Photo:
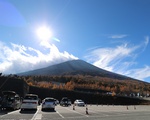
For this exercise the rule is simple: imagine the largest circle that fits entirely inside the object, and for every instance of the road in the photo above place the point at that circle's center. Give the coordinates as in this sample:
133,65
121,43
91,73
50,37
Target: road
91,112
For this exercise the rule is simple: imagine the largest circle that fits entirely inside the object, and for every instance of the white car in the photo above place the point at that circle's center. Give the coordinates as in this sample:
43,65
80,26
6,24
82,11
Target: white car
48,103
30,101
79,103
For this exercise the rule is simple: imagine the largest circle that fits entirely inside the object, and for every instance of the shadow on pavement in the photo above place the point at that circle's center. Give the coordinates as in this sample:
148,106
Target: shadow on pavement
5,111
48,110
26,111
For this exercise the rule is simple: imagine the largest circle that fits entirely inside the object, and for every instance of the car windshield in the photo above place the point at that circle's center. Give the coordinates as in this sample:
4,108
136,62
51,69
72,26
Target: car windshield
49,100
65,99
8,98
31,98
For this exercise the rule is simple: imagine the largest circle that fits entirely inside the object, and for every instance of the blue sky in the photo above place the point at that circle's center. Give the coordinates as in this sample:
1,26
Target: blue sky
110,34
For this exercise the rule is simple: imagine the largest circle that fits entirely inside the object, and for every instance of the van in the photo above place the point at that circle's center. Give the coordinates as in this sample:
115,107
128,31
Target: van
65,101
10,100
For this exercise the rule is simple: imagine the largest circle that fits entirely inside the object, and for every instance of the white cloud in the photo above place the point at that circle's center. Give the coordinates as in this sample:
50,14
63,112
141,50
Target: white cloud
141,73
146,41
119,36
18,58
108,58
120,59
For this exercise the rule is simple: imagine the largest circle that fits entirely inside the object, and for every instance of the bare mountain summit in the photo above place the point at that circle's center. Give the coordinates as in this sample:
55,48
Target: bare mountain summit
74,67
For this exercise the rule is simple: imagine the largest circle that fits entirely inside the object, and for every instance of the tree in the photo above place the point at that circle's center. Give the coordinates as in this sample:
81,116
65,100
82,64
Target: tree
69,85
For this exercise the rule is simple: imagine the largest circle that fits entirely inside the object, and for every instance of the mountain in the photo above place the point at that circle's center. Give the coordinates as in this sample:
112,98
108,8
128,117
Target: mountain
74,67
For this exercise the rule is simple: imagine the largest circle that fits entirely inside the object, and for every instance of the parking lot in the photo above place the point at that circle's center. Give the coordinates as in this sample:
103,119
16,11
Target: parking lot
91,112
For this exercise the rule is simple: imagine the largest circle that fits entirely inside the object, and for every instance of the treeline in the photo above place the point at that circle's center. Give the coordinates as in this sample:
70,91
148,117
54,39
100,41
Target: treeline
86,82
88,98
13,83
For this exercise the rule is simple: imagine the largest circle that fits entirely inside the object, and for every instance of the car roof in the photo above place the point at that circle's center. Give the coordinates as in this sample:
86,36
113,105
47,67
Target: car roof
49,98
65,98
8,92
78,100
31,95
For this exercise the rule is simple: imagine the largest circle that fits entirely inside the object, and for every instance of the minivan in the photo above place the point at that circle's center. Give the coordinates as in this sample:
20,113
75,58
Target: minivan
10,100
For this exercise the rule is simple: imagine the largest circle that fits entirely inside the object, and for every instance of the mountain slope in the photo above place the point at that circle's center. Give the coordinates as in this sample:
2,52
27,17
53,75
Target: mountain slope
74,67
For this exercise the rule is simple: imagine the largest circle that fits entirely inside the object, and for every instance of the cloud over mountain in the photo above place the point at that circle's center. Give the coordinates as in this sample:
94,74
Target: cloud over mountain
18,58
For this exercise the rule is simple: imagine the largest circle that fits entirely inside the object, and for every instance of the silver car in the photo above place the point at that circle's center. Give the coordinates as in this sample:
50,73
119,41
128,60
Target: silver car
79,103
48,103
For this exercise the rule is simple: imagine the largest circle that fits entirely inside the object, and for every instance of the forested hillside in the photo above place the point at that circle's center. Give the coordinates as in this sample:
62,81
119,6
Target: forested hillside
90,84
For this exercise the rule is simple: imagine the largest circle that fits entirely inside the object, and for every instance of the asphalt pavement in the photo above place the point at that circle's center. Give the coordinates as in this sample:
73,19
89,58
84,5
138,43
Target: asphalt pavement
89,112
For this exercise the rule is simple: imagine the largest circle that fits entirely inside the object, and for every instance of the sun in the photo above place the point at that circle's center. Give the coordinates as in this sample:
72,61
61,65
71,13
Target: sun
44,33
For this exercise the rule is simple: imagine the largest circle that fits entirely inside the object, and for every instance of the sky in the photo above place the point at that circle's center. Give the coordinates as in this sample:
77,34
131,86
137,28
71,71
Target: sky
110,34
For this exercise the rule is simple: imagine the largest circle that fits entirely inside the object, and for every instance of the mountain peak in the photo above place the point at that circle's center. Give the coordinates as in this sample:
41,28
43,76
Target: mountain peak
73,67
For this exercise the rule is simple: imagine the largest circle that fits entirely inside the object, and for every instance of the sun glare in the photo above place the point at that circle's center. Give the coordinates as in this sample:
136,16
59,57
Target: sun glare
44,33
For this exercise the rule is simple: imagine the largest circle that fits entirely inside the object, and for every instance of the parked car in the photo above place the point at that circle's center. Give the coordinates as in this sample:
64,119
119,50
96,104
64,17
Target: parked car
65,101
56,101
30,101
10,100
48,103
79,103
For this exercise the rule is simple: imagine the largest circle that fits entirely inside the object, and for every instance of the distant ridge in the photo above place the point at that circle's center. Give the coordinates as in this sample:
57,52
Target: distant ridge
74,67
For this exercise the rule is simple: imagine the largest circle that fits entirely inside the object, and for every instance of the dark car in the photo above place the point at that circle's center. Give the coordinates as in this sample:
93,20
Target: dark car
10,100
65,101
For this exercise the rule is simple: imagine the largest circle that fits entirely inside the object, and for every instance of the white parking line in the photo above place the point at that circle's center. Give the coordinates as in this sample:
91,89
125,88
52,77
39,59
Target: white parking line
60,114
37,116
16,111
